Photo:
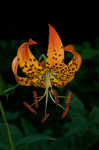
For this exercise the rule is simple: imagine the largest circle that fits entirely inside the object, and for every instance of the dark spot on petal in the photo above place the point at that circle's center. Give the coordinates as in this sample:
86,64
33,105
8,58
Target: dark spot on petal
30,59
52,78
34,59
61,64
31,65
25,66
29,69
26,81
39,69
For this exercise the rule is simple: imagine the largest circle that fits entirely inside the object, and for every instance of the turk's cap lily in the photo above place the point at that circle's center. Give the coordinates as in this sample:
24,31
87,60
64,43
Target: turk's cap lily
45,74
54,72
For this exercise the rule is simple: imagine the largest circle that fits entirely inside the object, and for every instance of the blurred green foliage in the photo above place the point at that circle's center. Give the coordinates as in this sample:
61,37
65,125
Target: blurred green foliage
78,131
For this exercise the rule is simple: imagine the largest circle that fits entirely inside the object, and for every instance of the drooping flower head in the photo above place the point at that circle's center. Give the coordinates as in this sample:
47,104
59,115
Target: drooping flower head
45,74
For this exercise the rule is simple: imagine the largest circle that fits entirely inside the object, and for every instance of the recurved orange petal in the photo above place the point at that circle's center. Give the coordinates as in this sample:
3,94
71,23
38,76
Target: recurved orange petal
22,80
28,63
75,63
55,51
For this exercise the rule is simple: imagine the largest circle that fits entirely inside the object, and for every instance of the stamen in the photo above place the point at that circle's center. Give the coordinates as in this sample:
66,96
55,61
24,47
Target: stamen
35,99
65,112
45,118
68,98
41,98
46,101
56,97
30,108
67,105
54,101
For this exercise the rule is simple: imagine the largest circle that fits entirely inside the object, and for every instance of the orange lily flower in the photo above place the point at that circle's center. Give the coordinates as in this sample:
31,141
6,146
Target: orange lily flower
53,72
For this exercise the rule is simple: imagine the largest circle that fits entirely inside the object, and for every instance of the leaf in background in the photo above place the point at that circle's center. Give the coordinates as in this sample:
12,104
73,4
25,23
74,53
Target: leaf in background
3,85
15,133
12,115
27,127
77,107
92,134
77,113
86,51
35,138
93,122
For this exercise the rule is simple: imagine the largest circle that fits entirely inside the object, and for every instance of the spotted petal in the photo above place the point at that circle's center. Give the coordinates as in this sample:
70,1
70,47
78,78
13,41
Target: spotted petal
63,73
28,63
22,80
55,52
63,78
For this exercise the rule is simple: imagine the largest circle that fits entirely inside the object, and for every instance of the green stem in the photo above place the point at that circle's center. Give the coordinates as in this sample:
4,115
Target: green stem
7,128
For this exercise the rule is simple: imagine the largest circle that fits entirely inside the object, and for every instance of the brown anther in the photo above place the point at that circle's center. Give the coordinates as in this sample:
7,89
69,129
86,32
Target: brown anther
68,98
67,105
30,108
45,118
65,112
56,97
35,99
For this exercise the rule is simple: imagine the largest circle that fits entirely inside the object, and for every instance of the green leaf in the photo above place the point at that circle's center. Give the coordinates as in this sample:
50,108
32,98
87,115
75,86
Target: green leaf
12,115
76,106
31,139
78,126
15,133
3,86
3,146
87,52
93,122
28,127
77,112
94,115
93,127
